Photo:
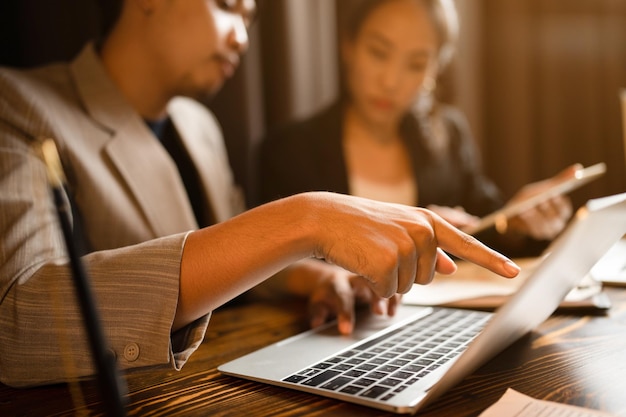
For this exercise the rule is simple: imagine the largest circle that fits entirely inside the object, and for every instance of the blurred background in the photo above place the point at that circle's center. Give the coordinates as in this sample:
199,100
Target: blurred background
538,79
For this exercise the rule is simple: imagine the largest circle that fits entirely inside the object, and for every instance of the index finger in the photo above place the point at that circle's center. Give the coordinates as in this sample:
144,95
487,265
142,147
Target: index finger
467,247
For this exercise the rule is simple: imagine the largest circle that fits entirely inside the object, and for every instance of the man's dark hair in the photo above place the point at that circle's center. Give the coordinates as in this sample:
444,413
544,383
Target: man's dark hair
110,11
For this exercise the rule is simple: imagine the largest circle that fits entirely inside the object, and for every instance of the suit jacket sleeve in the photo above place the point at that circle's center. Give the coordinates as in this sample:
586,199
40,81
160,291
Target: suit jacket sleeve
42,338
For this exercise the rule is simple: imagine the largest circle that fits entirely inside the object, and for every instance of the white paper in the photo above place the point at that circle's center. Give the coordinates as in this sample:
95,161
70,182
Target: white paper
515,404
472,286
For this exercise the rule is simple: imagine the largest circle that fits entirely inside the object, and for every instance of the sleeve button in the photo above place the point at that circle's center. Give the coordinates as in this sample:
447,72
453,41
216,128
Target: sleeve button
131,352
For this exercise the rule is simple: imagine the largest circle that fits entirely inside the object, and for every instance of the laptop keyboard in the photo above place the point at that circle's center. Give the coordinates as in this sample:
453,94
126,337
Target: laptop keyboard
384,366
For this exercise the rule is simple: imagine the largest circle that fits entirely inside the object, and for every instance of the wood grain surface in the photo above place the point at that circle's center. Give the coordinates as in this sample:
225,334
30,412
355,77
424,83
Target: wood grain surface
573,359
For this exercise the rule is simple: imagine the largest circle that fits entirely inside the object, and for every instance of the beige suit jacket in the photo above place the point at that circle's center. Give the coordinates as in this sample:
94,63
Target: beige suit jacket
134,211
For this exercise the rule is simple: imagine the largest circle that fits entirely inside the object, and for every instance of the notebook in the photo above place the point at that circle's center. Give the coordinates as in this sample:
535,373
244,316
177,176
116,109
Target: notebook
403,363
611,269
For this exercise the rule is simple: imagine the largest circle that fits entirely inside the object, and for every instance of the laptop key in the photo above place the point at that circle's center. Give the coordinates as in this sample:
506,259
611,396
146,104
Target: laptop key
391,382
374,392
351,389
365,382
321,378
355,373
366,366
388,368
403,375
342,367
337,383
295,378
413,368
322,365
377,375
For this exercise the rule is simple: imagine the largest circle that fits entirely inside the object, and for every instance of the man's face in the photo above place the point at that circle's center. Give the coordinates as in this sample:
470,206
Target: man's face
199,43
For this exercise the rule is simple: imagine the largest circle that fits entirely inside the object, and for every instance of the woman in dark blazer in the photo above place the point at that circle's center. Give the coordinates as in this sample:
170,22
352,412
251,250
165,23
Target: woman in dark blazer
388,138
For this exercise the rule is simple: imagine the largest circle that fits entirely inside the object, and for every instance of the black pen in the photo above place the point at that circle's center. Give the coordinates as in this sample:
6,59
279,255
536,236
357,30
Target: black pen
109,381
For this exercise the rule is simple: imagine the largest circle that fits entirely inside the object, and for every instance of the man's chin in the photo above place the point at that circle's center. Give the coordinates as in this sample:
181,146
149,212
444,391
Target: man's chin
206,94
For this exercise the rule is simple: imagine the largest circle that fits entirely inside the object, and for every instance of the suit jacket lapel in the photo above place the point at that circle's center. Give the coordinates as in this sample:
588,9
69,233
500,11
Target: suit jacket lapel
143,164
202,139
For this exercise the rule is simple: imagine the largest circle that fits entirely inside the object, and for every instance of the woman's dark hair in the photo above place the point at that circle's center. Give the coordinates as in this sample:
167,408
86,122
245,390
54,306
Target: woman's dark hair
443,14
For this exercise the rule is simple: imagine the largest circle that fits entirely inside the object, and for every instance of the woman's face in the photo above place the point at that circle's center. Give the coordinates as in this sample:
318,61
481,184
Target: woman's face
388,60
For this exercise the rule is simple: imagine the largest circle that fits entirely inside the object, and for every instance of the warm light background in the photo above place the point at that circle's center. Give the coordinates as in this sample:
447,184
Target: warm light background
539,80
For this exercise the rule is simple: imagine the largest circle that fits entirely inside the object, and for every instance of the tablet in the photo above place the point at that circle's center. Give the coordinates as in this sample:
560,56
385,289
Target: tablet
582,177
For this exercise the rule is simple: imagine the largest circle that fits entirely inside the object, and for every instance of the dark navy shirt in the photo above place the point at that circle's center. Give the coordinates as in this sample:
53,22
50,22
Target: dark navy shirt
167,134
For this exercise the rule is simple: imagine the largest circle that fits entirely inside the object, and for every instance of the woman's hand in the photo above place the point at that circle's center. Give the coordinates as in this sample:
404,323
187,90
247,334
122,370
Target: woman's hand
547,219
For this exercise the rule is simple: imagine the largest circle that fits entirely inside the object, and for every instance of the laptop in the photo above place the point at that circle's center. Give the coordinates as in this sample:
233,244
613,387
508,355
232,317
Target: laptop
401,364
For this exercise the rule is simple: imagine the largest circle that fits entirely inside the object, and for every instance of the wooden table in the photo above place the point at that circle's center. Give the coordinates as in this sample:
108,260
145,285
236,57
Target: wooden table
573,359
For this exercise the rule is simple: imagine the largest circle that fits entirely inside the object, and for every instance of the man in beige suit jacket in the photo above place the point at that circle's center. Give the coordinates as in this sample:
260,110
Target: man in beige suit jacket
156,275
